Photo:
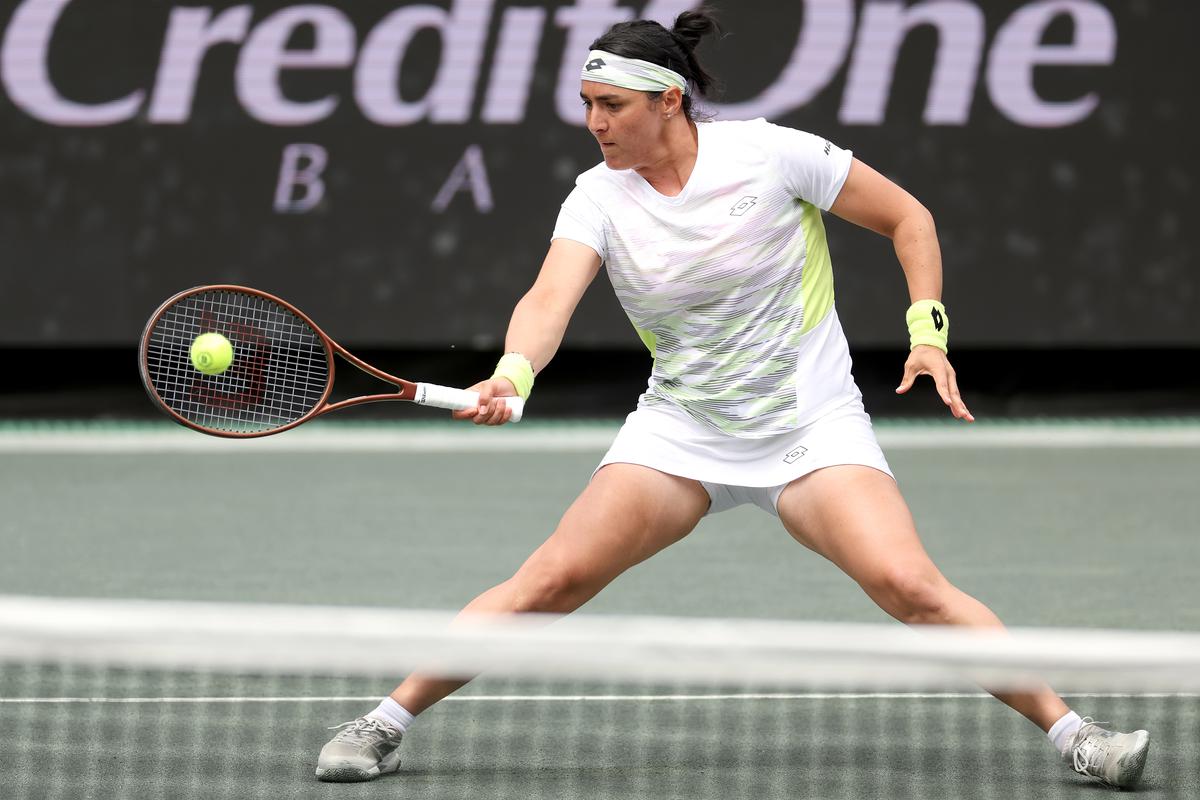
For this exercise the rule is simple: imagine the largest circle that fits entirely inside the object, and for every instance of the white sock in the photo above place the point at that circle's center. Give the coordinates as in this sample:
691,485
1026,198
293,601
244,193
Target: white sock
393,714
1060,733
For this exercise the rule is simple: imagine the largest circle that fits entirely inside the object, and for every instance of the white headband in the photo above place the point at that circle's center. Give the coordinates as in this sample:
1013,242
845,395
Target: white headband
630,73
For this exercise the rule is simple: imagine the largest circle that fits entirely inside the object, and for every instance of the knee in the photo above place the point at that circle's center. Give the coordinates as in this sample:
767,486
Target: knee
547,588
914,594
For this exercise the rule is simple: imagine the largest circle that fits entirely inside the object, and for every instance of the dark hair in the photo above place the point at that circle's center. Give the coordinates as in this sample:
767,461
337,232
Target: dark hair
674,49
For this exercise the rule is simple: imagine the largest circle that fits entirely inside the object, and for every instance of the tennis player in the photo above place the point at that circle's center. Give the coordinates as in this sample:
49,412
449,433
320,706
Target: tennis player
712,237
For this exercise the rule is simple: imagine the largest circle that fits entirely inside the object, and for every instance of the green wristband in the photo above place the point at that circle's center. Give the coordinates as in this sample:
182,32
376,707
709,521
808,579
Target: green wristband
928,324
517,369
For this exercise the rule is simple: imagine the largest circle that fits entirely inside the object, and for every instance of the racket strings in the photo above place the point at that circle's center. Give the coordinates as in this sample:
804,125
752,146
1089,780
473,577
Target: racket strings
280,370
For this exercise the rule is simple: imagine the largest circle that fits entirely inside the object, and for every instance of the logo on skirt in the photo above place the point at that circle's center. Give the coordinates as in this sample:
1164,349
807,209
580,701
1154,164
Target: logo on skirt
795,455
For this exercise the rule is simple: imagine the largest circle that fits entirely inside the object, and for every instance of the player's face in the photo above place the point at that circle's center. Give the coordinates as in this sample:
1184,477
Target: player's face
625,123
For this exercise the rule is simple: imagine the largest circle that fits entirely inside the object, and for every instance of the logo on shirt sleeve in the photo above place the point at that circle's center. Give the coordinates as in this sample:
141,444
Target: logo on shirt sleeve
742,206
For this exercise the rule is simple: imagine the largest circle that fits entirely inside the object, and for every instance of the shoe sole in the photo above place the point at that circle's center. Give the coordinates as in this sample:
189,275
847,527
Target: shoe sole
1129,768
345,773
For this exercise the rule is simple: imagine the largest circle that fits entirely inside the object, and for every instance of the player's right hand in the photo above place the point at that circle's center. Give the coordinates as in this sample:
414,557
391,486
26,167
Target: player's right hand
492,409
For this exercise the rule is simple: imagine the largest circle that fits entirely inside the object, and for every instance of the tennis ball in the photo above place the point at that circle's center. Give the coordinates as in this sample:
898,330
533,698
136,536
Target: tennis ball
212,353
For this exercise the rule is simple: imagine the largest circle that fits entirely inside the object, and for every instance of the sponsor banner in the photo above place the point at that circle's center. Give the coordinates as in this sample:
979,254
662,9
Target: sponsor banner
395,168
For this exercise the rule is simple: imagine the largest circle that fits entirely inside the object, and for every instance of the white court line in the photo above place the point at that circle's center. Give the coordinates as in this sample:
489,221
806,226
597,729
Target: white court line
551,439
584,698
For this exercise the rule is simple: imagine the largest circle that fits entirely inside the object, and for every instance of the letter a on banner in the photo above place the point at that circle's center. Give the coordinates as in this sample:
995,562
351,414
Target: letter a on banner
470,174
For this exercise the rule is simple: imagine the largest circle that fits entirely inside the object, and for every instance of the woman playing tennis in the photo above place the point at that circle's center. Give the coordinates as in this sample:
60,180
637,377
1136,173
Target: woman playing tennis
711,235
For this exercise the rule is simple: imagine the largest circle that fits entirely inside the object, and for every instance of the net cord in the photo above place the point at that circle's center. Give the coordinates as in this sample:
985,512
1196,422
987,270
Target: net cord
371,641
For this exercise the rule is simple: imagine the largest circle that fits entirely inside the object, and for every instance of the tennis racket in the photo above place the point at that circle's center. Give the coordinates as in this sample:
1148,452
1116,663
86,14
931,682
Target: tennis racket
282,370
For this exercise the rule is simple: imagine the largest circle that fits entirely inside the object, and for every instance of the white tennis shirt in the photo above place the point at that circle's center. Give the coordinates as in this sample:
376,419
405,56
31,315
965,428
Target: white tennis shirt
729,283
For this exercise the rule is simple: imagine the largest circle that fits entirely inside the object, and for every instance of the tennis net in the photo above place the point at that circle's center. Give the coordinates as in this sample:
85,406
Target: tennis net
112,699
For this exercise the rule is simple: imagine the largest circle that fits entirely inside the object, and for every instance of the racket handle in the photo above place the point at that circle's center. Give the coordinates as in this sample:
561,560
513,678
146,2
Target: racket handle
430,394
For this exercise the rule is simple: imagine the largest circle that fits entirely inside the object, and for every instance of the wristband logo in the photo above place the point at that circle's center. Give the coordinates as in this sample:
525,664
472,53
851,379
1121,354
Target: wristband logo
938,321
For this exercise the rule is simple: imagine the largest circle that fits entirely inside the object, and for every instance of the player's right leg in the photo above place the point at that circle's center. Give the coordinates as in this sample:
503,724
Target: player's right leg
626,514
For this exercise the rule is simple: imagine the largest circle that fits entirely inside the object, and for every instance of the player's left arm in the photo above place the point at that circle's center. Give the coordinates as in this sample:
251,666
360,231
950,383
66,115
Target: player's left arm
871,201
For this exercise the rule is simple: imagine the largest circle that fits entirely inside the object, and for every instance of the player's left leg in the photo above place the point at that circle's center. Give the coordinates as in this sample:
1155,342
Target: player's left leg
855,517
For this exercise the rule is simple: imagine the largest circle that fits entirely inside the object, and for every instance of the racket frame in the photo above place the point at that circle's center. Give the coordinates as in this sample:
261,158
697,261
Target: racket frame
408,390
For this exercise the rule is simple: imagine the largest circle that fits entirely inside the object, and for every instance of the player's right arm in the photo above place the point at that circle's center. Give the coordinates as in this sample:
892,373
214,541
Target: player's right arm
539,321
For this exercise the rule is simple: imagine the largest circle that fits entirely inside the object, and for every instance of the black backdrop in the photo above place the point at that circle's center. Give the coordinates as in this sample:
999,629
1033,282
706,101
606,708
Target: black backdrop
1052,139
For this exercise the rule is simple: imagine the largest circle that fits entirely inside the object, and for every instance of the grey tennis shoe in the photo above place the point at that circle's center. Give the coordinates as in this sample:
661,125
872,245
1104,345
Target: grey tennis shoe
363,749
1114,758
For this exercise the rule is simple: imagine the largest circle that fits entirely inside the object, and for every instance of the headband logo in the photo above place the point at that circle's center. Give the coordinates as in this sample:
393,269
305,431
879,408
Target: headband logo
594,64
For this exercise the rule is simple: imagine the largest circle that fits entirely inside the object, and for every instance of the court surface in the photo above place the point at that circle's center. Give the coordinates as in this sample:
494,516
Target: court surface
1071,525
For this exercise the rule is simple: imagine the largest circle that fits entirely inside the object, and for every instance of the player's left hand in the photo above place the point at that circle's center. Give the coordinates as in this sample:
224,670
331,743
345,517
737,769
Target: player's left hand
926,360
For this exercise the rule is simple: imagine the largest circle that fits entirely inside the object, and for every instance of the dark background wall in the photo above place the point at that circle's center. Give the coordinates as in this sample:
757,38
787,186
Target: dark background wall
395,168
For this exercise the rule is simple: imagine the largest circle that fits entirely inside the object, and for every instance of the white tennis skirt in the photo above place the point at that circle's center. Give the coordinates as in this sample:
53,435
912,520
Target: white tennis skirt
735,470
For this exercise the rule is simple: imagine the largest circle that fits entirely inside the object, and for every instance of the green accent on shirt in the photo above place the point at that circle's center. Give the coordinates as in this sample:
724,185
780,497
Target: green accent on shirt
817,290
648,339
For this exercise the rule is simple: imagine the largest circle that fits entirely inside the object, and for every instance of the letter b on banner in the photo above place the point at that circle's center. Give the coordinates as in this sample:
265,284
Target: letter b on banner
300,188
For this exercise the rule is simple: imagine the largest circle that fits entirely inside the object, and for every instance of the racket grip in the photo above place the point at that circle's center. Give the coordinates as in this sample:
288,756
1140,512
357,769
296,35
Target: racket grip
430,394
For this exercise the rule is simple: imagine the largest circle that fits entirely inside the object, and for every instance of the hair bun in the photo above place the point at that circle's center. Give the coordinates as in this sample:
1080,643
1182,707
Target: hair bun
692,26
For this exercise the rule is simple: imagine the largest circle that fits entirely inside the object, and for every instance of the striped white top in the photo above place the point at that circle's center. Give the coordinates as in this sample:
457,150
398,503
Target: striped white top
729,283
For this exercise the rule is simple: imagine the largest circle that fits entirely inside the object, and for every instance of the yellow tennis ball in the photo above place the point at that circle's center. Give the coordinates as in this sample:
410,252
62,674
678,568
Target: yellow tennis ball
212,353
